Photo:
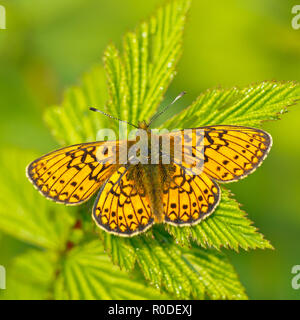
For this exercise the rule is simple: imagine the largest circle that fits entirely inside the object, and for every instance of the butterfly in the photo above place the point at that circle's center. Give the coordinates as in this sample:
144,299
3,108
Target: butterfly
132,197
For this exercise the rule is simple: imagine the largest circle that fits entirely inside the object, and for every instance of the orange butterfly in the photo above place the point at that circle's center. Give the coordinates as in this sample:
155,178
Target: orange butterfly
134,196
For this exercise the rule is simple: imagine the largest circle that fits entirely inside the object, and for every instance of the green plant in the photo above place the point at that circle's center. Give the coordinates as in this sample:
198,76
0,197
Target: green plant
70,258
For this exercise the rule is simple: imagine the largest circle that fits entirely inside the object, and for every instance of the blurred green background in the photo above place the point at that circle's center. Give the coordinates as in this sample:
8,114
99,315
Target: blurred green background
49,44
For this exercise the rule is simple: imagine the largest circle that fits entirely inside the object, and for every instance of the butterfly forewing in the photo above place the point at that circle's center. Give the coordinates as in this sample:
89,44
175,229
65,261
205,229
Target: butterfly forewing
227,153
233,152
73,174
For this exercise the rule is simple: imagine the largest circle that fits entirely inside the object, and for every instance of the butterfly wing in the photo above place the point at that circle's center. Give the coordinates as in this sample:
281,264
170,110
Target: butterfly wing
122,207
228,153
233,152
73,174
188,199
187,149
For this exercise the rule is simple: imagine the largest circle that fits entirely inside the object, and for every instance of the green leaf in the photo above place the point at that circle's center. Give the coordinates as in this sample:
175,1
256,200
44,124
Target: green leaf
72,122
121,252
227,227
185,272
24,213
249,106
139,77
219,277
87,273
84,272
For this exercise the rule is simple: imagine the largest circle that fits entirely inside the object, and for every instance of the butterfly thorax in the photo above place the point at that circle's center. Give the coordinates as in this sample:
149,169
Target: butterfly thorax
151,151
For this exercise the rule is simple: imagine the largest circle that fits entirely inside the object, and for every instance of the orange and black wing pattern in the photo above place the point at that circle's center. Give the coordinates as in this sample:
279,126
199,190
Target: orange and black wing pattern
123,208
226,153
73,174
233,152
189,194
188,199
186,149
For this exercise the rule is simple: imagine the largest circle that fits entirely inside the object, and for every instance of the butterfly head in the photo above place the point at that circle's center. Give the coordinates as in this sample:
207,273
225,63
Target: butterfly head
143,125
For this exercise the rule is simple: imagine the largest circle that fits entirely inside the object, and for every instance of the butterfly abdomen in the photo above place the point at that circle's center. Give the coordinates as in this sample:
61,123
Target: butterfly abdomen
151,178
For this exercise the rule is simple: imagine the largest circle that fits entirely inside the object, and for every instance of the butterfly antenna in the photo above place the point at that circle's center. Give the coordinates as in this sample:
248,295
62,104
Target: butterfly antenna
108,115
165,109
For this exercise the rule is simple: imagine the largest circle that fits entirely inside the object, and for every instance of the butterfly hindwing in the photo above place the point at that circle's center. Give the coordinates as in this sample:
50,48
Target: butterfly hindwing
73,174
122,207
188,199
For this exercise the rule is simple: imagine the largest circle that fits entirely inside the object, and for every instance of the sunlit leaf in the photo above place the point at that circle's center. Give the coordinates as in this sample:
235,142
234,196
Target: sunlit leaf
227,227
140,75
184,271
249,106
87,273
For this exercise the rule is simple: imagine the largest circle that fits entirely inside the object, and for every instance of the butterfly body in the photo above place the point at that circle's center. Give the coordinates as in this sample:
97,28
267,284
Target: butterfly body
133,196
153,182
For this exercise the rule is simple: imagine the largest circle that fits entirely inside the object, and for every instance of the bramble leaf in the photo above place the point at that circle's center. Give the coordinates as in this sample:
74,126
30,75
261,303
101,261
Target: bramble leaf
249,106
139,77
227,227
87,273
84,272
185,272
